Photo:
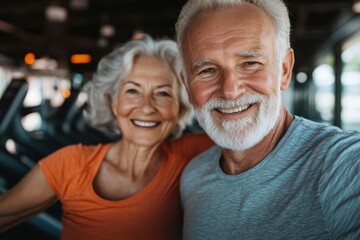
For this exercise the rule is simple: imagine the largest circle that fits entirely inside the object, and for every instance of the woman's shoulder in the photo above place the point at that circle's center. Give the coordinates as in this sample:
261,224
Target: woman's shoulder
74,155
193,143
192,138
83,148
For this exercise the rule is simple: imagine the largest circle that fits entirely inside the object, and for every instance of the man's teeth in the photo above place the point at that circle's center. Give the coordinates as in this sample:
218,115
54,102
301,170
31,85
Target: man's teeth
144,124
234,110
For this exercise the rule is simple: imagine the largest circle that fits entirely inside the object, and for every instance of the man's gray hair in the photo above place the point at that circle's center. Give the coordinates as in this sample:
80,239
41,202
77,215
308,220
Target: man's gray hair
115,66
275,9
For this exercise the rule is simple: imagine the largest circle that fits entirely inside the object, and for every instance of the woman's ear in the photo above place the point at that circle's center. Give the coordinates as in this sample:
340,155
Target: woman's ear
114,105
181,110
287,68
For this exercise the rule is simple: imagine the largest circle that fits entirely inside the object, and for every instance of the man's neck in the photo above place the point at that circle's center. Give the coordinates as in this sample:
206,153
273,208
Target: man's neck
234,162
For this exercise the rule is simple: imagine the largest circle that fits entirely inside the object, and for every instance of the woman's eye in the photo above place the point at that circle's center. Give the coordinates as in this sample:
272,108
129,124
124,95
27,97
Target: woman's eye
163,94
131,91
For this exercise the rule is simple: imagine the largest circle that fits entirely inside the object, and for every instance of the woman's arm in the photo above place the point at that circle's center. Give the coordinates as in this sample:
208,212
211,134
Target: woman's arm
30,196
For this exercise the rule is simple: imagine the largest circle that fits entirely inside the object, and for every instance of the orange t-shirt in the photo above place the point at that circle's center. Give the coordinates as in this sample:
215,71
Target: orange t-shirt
153,213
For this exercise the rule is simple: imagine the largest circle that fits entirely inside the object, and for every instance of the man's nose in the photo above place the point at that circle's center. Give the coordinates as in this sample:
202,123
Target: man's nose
231,85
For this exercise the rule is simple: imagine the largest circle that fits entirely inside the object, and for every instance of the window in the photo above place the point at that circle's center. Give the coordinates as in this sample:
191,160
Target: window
350,80
324,87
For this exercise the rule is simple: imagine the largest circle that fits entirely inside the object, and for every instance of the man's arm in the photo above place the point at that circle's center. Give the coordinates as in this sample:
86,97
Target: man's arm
340,191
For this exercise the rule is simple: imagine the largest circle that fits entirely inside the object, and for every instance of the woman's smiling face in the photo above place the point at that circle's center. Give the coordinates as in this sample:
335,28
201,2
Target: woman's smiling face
148,104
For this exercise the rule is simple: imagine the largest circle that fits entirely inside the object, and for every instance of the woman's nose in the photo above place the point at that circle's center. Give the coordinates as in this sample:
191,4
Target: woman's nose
148,105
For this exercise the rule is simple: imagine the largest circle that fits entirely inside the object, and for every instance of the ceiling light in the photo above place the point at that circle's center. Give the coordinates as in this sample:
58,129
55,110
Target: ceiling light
79,4
301,77
29,58
45,63
356,6
56,13
80,58
102,42
107,30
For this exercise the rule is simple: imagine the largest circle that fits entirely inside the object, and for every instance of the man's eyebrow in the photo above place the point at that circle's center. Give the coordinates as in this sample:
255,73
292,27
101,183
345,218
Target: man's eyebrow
250,53
243,54
200,63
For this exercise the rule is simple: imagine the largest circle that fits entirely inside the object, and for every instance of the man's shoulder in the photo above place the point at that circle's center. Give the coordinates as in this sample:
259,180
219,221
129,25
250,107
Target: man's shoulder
200,168
208,155
204,160
308,140
320,132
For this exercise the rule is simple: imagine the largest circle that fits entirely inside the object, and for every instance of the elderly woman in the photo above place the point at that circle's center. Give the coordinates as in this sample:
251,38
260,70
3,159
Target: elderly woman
127,189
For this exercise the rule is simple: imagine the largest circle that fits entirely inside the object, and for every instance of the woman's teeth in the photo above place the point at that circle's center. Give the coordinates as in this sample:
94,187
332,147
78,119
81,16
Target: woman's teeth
144,124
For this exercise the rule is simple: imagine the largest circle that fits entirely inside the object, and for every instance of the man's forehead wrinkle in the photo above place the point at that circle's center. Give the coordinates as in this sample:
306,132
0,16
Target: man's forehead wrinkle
216,37
220,39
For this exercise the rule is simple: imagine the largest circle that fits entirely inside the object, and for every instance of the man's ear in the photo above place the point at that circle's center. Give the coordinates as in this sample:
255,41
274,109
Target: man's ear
287,68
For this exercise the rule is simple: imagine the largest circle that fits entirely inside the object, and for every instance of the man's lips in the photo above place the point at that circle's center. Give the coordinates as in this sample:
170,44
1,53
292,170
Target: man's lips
234,109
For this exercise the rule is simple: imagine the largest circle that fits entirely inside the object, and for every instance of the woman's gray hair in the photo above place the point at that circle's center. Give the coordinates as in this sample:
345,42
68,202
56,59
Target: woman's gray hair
275,9
115,66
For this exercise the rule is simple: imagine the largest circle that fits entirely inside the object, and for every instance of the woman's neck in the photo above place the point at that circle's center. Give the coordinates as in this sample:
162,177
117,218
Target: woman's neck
134,160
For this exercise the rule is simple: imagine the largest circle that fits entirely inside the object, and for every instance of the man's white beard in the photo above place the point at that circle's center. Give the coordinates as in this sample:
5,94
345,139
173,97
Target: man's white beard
243,133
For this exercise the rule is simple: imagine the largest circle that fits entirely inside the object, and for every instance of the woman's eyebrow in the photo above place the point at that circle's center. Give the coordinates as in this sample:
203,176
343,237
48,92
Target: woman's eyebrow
139,85
131,82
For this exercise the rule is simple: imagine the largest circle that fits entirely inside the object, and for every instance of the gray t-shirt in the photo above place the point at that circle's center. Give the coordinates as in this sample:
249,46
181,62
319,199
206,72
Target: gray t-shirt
308,187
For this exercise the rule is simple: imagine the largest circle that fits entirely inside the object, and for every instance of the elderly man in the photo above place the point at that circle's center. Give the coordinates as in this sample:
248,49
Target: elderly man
272,175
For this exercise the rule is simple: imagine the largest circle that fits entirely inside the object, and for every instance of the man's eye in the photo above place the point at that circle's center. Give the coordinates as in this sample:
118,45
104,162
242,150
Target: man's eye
253,63
208,71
